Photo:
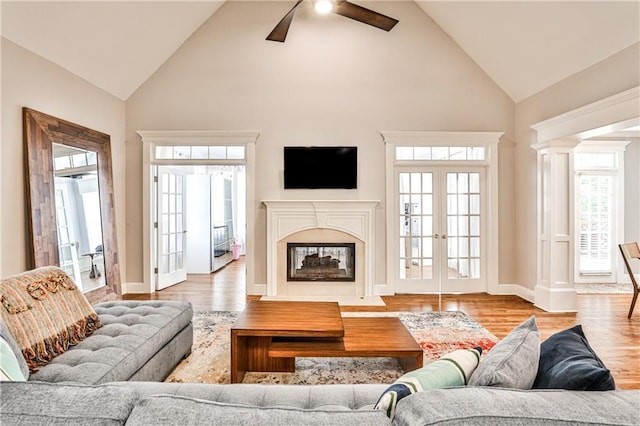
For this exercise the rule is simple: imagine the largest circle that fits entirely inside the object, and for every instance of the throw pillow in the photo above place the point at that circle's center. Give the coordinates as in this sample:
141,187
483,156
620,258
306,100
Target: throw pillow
45,312
6,336
513,362
9,367
567,361
450,370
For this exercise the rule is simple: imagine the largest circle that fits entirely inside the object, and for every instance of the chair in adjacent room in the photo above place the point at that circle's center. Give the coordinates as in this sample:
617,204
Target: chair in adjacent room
631,251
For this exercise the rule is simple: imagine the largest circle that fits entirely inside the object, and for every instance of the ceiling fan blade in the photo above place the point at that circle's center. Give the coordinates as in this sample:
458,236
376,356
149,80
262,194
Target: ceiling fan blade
279,32
365,15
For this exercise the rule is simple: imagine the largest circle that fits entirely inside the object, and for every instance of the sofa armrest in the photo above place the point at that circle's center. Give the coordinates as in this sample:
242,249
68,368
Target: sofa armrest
61,404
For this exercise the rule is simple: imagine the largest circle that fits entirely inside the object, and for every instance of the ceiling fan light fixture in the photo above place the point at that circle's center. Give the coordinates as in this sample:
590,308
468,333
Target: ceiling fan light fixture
323,6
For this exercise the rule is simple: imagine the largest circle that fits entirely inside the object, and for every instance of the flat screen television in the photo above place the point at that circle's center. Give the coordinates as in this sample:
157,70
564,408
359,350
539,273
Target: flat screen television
320,167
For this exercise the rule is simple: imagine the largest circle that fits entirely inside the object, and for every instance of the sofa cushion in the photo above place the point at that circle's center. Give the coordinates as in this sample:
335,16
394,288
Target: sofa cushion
453,369
170,409
132,333
308,397
567,361
513,362
45,312
492,406
8,338
37,403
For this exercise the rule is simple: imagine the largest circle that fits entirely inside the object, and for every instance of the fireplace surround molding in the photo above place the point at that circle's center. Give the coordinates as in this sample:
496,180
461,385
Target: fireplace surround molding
288,217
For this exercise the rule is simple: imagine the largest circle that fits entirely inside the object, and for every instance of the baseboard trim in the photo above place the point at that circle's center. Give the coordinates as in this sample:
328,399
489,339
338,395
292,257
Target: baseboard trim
517,290
383,290
257,290
134,288
562,299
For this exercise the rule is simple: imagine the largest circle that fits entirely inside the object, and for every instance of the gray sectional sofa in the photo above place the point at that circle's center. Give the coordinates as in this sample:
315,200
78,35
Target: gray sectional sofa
145,403
113,377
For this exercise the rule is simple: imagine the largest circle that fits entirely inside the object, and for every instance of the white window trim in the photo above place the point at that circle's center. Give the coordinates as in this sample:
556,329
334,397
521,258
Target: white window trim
488,140
153,138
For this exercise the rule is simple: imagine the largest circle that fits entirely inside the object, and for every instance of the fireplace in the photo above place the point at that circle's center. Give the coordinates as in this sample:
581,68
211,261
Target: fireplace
321,262
320,226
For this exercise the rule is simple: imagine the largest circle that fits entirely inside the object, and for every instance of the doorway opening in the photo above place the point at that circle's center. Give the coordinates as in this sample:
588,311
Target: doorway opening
200,219
229,155
601,206
442,220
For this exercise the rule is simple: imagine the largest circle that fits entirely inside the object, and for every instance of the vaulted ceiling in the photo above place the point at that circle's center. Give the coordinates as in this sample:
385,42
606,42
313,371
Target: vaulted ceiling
524,46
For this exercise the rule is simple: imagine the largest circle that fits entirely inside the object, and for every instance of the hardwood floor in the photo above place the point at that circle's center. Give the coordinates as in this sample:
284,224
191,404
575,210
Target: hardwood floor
614,338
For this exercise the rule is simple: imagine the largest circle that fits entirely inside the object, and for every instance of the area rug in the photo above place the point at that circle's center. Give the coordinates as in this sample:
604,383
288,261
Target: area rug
598,288
438,333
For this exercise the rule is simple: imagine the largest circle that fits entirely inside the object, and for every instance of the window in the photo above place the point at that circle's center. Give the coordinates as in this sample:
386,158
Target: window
595,216
599,177
200,152
74,161
440,153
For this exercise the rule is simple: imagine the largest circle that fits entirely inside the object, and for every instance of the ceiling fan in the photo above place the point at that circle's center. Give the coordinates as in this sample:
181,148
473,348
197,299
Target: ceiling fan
340,7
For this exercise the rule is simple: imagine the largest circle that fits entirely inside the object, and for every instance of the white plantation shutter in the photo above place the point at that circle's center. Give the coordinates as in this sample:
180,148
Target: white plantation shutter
596,216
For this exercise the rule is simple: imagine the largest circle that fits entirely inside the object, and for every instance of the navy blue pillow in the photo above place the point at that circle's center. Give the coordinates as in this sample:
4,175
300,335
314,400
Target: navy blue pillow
567,361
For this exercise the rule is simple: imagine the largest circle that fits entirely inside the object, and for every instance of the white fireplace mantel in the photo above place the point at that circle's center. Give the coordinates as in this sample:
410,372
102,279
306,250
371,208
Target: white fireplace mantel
286,217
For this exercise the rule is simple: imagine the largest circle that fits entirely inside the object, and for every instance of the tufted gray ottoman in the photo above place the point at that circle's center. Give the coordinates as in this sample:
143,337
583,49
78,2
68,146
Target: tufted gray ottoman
138,340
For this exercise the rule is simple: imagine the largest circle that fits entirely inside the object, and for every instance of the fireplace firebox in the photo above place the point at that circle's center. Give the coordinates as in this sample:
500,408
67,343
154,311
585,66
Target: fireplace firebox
321,262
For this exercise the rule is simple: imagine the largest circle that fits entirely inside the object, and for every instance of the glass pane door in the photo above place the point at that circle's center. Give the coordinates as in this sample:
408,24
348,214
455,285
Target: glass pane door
171,223
463,236
66,243
416,220
440,231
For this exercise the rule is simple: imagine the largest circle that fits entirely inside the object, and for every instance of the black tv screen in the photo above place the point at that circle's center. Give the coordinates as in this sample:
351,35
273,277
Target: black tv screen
320,167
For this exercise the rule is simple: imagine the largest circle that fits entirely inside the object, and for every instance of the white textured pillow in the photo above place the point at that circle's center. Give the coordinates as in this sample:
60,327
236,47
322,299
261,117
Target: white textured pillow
9,366
513,362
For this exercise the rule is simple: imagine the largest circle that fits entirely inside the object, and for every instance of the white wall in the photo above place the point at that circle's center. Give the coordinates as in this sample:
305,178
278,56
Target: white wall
31,81
615,74
632,193
333,82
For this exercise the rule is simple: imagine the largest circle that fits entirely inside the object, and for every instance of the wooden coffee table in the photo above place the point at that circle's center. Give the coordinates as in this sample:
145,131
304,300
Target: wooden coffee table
269,335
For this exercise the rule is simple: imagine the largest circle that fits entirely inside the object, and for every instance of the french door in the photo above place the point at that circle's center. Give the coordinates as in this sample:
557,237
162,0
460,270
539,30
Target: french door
67,247
441,221
171,228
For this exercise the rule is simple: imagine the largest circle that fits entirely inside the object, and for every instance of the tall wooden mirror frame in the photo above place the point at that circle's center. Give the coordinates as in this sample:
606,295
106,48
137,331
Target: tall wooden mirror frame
40,131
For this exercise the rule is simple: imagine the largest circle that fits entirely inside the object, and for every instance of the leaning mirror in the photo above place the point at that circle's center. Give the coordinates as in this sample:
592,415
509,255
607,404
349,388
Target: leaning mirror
78,218
71,210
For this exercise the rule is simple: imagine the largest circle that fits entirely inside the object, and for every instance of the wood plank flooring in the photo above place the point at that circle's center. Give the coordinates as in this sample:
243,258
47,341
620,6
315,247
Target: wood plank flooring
615,338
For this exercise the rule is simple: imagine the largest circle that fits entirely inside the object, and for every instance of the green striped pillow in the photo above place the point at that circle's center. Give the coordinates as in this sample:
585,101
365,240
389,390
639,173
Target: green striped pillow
453,369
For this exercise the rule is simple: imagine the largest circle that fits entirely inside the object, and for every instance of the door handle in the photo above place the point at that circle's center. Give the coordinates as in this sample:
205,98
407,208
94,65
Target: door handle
436,236
444,236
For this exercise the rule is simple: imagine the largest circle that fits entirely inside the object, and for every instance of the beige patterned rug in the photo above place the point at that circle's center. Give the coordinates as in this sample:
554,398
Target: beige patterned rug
597,288
437,333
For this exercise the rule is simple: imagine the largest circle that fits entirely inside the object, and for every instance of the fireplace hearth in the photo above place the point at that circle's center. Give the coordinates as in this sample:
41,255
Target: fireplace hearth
321,262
